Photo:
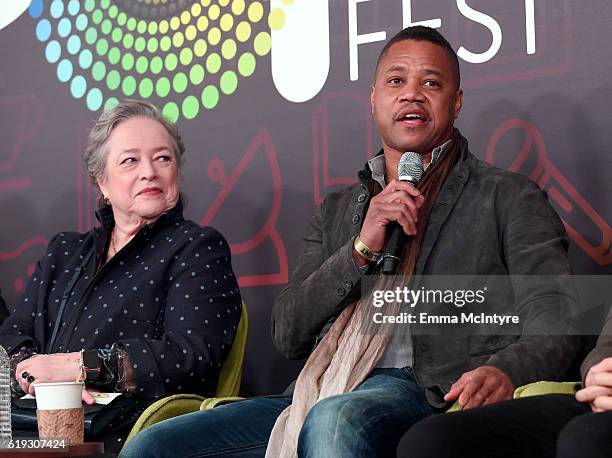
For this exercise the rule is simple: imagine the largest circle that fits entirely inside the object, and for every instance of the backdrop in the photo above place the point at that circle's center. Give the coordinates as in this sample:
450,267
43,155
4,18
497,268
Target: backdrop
272,100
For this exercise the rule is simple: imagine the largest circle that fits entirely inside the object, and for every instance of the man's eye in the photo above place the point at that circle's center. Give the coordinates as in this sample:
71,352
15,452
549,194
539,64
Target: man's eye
431,83
395,80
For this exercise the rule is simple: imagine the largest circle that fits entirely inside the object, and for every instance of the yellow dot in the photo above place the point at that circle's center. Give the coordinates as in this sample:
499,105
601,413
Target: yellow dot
238,7
262,43
178,39
202,23
228,49
214,11
199,48
196,10
163,26
276,20
223,2
205,2
255,12
227,21
214,36
243,31
191,32
175,23
185,17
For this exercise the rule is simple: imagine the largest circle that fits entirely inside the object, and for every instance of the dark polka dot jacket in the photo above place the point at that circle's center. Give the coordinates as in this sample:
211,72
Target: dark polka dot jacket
169,298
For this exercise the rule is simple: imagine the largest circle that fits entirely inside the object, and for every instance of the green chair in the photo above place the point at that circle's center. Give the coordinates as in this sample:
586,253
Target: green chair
228,386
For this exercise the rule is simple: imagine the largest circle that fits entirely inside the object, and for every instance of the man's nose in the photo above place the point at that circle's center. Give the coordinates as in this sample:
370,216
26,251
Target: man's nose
412,91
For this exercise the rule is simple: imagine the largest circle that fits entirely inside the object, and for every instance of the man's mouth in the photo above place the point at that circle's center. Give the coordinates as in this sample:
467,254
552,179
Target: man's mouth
412,118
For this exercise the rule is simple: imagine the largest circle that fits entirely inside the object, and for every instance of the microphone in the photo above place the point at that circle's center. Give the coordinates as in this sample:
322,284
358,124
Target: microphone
410,169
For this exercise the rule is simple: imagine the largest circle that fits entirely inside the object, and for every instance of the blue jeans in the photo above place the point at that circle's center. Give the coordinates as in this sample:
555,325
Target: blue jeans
366,422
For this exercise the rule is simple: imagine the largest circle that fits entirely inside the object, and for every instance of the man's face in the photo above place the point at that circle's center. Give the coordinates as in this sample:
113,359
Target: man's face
415,98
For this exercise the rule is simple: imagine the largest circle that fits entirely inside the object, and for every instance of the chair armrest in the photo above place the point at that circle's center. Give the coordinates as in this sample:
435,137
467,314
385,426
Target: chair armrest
211,403
541,388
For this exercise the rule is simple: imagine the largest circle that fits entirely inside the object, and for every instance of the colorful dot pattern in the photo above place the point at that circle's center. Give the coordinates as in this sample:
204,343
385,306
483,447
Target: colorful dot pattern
183,56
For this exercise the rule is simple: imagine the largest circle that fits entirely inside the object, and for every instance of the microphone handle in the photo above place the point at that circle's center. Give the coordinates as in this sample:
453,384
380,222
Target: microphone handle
394,248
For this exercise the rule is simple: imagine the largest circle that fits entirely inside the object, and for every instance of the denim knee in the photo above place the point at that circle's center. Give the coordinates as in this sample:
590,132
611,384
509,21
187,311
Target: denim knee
147,443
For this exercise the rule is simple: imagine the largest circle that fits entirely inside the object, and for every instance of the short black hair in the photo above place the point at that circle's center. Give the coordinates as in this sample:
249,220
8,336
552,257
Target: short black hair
423,33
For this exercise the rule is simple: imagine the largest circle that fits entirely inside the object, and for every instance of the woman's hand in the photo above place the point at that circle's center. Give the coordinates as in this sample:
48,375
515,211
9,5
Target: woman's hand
57,367
598,387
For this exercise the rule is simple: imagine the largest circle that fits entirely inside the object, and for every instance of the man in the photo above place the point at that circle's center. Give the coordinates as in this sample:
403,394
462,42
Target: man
415,99
561,426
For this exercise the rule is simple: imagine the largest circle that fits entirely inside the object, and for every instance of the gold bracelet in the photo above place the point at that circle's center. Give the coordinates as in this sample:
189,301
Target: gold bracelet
363,251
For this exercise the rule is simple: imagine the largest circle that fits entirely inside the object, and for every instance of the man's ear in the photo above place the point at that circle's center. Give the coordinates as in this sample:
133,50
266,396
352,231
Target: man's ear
372,97
458,102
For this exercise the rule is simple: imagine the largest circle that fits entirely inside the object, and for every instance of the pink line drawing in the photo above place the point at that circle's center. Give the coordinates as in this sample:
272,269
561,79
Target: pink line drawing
573,205
216,172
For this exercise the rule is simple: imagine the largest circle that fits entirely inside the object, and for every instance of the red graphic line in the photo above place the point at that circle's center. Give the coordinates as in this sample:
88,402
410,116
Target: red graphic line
6,256
15,184
21,107
549,178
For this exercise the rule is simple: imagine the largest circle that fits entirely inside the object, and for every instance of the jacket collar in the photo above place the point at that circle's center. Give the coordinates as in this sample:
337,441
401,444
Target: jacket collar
106,219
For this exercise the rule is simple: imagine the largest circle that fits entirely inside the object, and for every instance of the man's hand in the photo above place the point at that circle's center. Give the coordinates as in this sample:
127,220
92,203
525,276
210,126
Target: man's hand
56,367
399,201
484,385
598,387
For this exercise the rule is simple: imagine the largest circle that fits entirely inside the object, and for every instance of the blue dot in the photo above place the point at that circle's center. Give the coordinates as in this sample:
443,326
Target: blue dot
53,51
94,99
36,8
78,86
43,30
64,70
57,8
85,59
81,22
74,44
73,7
64,27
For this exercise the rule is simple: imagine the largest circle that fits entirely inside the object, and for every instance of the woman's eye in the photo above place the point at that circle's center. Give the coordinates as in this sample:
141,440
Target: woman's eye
129,160
164,158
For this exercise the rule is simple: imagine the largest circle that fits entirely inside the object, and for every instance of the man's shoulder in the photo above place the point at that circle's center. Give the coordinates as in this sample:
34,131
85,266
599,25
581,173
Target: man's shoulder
500,178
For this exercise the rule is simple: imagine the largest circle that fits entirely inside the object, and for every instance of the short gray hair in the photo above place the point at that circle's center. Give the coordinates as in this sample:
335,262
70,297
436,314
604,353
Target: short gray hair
96,153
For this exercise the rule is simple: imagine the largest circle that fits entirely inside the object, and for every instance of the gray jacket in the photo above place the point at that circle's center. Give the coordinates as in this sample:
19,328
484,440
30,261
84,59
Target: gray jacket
485,221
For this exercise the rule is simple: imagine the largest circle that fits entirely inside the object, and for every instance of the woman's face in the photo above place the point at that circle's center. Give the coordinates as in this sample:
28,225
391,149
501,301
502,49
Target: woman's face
141,177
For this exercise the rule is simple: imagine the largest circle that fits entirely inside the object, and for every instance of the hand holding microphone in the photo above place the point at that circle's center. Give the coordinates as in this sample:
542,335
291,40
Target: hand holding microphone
394,211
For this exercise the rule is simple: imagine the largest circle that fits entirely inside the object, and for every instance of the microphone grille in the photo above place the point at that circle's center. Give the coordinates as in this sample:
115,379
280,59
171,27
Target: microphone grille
410,167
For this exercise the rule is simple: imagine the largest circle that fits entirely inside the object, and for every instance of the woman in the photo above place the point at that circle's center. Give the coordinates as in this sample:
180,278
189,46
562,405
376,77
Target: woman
149,296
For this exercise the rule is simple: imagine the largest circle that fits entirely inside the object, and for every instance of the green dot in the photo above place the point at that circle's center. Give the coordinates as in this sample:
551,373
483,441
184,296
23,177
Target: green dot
102,46
170,62
128,40
97,16
152,45
113,11
114,55
165,43
186,56
179,82
110,103
228,49
142,64
98,71
105,3
213,63
142,26
145,88
131,23
122,19
262,43
117,35
246,64
91,36
152,27
129,85
196,74
157,64
228,82
106,26
190,107
140,44
171,111
162,87
127,62
210,97
90,5
113,79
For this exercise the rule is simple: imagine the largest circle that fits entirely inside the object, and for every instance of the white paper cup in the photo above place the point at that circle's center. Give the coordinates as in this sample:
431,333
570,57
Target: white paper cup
58,395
